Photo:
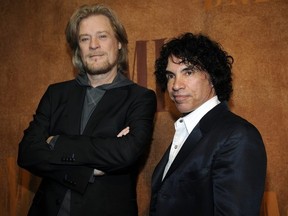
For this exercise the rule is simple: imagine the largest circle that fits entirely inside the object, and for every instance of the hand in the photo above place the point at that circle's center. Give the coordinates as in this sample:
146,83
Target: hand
97,172
49,139
124,132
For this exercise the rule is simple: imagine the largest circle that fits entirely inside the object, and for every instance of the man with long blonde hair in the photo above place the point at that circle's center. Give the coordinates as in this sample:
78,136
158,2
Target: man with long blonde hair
79,141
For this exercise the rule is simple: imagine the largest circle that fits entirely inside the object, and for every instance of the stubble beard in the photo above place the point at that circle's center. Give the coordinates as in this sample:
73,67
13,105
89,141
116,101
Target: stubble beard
97,70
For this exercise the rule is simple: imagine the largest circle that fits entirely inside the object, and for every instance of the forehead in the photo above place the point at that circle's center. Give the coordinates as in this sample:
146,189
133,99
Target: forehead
95,23
175,63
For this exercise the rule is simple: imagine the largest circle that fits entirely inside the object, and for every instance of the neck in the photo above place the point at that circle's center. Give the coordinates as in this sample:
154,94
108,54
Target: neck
101,79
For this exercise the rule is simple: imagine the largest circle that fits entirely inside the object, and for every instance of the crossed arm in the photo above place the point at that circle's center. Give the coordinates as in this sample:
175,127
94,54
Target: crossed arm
98,150
97,172
124,132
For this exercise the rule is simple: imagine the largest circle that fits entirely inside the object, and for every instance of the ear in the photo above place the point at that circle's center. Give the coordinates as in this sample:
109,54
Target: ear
119,46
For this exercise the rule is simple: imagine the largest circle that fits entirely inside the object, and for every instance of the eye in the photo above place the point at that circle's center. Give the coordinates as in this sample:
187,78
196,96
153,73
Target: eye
83,39
189,72
169,76
102,36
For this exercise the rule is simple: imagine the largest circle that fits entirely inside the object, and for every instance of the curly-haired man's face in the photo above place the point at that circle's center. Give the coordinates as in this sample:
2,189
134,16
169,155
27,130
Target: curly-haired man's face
188,87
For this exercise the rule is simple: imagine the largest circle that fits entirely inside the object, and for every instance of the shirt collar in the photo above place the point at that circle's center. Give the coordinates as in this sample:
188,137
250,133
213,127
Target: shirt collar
193,118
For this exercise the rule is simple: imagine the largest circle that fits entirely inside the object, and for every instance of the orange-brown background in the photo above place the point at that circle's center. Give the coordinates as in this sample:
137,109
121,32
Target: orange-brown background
33,54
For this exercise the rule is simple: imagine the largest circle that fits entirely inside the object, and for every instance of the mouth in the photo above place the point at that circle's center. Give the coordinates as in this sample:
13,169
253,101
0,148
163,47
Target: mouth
179,98
96,55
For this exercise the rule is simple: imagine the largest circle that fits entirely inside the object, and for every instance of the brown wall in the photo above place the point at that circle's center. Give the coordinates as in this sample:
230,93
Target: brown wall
33,54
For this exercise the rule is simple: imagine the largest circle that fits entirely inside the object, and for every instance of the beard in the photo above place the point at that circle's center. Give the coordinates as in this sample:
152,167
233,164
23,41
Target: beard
104,68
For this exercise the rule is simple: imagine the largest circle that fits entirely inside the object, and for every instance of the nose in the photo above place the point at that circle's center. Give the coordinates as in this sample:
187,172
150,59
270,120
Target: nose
177,84
94,43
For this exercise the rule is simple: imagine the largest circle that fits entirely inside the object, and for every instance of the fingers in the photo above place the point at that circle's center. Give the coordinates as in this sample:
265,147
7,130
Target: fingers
124,132
49,139
97,172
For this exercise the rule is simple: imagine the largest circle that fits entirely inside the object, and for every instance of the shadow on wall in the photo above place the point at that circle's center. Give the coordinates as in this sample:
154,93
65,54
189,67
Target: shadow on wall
270,204
21,188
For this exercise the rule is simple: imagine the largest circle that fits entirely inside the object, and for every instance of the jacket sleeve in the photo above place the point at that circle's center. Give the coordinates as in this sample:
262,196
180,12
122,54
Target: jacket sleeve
34,153
239,172
33,149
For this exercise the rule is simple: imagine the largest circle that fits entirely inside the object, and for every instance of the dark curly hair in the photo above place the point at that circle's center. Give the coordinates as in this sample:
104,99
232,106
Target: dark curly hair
201,52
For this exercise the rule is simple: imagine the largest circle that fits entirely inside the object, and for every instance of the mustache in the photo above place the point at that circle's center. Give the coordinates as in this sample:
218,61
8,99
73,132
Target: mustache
96,54
178,94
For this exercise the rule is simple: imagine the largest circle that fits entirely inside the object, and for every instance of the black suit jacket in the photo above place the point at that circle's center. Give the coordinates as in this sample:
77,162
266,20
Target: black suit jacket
71,163
220,170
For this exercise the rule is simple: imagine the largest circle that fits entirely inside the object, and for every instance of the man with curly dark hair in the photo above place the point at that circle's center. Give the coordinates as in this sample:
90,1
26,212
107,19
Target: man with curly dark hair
216,164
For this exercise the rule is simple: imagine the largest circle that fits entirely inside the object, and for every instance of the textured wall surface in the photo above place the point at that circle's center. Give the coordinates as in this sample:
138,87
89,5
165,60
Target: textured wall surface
33,54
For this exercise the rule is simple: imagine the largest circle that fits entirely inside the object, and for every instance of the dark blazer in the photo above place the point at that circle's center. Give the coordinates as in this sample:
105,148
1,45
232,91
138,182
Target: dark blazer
71,163
220,170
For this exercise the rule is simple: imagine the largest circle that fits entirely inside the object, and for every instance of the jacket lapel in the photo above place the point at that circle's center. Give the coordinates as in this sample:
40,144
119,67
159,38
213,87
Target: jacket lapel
188,146
159,170
74,105
186,149
107,102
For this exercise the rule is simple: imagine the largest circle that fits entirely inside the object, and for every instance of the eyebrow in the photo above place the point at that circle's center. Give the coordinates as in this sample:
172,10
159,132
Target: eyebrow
98,32
183,70
81,35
